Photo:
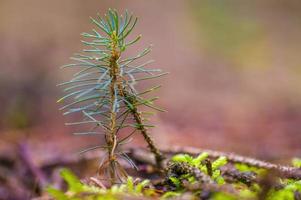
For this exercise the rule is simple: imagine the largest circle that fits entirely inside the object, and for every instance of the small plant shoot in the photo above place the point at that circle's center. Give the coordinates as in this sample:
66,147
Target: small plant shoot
103,90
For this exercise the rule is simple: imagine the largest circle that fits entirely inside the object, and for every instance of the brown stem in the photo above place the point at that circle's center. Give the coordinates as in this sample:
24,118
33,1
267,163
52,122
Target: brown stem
232,175
111,137
208,166
137,117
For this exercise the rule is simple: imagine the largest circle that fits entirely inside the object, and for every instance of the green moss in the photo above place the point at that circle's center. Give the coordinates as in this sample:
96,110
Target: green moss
76,190
296,162
245,168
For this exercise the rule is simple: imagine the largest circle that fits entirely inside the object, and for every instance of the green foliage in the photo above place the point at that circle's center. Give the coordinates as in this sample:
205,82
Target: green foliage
57,194
223,196
221,161
182,158
245,168
198,163
76,190
175,181
296,162
216,175
287,193
171,194
103,88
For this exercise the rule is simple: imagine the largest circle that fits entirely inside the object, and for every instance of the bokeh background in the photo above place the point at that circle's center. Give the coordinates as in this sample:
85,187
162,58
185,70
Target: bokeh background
234,83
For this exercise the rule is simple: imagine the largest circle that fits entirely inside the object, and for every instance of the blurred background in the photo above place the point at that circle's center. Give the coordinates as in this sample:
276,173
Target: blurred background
234,83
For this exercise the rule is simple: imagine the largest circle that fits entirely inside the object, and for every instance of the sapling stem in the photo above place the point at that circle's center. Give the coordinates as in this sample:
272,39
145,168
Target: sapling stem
137,116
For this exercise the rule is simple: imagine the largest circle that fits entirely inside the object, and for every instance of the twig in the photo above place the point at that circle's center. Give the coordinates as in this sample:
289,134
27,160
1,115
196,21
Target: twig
137,117
208,166
245,177
97,182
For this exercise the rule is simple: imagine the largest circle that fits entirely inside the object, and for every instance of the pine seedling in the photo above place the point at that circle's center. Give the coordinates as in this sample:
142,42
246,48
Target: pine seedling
103,89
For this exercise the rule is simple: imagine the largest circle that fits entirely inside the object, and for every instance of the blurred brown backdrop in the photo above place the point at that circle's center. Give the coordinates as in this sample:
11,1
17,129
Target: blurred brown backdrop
235,72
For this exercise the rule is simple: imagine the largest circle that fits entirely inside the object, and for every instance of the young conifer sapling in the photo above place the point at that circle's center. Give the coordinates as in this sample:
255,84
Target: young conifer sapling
103,90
